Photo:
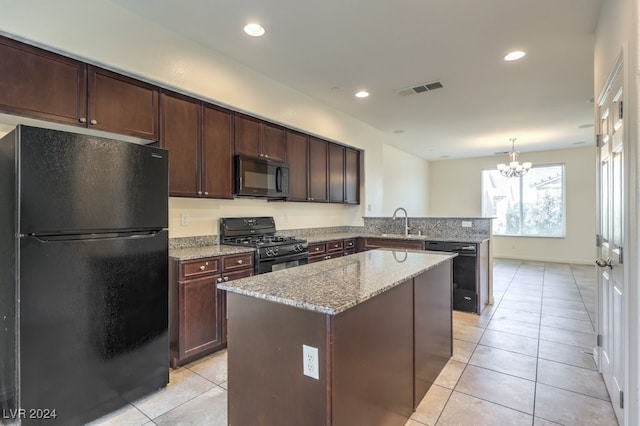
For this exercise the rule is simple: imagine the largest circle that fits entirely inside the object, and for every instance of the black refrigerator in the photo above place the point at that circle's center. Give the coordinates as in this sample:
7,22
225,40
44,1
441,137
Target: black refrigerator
83,275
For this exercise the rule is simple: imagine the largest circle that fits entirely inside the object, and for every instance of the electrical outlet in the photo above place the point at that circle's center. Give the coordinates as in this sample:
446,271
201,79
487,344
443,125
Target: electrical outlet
467,224
184,219
368,207
310,362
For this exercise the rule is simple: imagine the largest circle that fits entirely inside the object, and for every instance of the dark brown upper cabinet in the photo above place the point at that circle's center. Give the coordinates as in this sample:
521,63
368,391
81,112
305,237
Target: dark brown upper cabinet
121,104
318,167
44,85
179,133
199,138
217,152
40,84
298,156
352,176
258,138
336,173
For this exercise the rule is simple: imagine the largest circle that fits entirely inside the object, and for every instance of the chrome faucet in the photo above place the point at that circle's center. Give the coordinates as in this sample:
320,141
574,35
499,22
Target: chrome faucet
406,219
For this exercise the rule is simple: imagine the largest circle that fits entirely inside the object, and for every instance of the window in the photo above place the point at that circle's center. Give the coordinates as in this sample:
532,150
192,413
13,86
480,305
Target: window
532,205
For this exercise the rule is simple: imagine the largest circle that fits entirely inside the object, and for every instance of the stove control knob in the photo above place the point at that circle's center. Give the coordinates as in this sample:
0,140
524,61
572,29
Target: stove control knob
268,252
275,251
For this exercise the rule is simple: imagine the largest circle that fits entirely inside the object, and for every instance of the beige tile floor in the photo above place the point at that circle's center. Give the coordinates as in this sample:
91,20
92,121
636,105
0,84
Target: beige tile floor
526,360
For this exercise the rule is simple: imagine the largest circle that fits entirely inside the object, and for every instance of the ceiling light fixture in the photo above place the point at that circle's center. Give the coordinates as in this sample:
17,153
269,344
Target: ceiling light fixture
514,168
514,56
254,30
362,94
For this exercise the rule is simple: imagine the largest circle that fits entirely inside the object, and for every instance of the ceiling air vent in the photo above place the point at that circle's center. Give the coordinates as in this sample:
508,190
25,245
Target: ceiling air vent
420,89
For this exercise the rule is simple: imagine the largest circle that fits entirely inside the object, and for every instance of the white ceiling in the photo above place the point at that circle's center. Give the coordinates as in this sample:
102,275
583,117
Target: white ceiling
330,49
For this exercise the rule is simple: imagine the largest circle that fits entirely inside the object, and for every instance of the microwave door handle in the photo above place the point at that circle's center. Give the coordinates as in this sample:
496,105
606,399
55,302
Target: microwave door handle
278,179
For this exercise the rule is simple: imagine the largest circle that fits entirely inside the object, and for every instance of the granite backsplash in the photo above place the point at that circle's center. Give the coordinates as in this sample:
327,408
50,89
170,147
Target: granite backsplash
437,227
441,227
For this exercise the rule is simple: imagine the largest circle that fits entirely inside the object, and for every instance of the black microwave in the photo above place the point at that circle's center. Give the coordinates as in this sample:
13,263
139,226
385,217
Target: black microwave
259,177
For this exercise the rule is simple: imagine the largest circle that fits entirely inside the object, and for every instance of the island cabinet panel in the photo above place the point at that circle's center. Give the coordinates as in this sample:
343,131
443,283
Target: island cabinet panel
433,325
40,84
376,359
380,390
336,173
266,384
318,166
121,104
298,157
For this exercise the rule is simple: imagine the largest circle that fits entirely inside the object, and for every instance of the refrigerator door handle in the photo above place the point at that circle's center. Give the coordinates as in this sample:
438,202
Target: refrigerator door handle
94,236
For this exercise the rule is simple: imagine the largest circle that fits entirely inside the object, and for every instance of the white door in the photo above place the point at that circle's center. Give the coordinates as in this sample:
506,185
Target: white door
611,290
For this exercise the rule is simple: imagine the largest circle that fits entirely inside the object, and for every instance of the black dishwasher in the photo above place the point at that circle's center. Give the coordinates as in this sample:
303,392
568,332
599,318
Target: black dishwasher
465,275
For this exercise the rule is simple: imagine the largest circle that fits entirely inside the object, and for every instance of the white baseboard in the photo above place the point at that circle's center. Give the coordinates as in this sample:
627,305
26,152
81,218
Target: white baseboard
544,259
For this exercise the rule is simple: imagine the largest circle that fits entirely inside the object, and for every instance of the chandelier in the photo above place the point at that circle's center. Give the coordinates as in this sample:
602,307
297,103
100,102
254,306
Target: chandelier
514,168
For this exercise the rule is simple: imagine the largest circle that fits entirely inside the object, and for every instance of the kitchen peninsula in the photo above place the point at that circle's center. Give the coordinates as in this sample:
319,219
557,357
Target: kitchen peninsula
353,340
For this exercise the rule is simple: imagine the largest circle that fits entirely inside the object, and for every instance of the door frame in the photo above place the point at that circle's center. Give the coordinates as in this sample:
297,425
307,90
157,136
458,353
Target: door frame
630,235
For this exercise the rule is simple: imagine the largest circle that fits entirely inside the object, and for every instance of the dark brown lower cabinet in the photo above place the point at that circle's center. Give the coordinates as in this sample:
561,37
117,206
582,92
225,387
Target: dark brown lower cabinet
335,248
197,309
375,243
376,360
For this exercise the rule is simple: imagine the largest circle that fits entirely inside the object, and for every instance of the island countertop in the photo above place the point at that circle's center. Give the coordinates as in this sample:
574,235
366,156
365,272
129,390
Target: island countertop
335,285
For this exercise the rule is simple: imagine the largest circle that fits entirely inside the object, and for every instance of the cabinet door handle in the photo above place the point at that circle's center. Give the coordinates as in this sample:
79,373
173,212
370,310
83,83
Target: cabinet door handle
82,120
202,268
317,248
206,193
199,192
240,262
225,279
219,280
94,121
266,156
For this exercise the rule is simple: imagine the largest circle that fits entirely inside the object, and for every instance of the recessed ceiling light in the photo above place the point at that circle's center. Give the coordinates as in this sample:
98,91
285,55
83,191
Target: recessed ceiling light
362,94
398,131
579,143
514,56
585,126
254,30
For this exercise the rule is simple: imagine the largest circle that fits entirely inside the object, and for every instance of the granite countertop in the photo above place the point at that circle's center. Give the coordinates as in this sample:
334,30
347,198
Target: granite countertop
344,236
190,253
335,285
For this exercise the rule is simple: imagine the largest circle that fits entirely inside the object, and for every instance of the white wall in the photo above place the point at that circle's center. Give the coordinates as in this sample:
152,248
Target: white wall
405,183
455,190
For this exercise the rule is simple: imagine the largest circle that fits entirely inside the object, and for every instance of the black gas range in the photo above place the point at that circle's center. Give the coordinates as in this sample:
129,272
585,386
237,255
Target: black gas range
273,252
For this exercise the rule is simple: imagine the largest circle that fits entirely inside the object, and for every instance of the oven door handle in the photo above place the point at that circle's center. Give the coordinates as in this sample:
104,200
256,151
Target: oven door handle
287,258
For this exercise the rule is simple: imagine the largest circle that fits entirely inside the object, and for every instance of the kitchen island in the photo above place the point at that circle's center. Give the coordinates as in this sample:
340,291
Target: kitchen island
353,340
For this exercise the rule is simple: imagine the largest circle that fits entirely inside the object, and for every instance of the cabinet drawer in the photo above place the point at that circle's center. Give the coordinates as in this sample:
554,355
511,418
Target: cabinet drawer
350,244
316,249
349,251
196,268
236,275
335,246
237,261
